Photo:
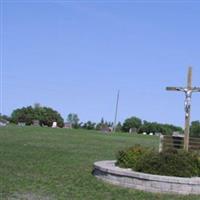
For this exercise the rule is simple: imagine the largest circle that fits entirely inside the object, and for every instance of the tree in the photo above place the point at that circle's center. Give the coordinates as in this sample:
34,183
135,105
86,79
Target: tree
45,115
73,119
118,127
132,122
4,117
89,125
24,114
153,127
195,129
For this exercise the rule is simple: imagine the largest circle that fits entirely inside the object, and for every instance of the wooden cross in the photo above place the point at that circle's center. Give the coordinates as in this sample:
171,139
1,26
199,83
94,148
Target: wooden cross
188,95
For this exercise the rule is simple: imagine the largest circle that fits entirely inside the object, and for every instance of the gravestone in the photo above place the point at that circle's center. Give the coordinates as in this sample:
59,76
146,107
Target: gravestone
36,123
54,125
67,125
158,134
133,130
3,122
21,124
106,129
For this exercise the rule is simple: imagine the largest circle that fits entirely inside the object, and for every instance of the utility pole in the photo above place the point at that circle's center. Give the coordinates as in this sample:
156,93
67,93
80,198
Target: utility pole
116,110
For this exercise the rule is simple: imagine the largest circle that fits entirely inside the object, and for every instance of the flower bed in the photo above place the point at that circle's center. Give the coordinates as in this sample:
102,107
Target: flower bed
109,172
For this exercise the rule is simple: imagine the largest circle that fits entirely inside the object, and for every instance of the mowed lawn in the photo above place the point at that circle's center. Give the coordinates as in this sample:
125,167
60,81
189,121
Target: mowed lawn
45,163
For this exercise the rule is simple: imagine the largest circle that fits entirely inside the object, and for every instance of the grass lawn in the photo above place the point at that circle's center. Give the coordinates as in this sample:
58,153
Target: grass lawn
45,163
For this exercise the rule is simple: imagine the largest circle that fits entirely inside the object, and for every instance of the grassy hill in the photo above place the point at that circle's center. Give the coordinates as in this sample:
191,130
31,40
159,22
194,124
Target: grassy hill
45,163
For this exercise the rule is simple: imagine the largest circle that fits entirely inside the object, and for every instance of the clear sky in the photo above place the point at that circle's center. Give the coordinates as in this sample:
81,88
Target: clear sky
73,56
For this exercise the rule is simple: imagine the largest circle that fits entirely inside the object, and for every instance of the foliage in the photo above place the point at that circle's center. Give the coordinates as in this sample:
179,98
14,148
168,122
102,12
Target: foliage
170,162
195,129
89,125
132,122
45,115
154,127
103,124
128,158
118,127
4,118
73,119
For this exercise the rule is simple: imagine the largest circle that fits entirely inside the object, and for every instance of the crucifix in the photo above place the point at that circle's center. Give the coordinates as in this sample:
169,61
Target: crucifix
188,95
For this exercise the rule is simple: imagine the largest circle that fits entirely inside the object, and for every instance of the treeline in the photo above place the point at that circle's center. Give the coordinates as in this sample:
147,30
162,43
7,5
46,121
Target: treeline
139,126
46,116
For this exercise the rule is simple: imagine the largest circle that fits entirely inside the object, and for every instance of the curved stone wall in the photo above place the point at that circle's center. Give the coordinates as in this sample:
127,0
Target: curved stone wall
107,171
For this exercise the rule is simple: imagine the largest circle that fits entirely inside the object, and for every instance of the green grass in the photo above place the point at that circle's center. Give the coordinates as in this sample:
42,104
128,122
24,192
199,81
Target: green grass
44,163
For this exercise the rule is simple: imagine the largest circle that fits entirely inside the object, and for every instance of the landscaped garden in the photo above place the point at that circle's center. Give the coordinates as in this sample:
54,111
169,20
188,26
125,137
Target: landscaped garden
46,163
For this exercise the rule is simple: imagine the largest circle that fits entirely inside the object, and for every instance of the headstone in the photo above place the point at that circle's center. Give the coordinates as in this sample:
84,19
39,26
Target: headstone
2,124
54,125
158,134
21,124
67,125
133,130
144,133
150,133
36,123
106,129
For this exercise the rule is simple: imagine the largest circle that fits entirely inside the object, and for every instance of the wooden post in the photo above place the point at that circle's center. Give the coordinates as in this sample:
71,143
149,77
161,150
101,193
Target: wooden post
187,117
161,143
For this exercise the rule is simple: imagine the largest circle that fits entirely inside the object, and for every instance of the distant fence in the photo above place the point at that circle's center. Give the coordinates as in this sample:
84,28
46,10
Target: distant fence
175,142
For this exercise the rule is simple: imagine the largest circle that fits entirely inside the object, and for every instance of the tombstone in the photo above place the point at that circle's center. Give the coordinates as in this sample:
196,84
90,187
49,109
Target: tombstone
36,123
54,125
133,130
3,123
144,133
158,134
21,124
106,129
151,134
67,125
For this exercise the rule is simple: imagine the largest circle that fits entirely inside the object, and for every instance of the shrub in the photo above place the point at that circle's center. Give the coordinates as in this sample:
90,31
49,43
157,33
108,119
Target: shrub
171,162
128,158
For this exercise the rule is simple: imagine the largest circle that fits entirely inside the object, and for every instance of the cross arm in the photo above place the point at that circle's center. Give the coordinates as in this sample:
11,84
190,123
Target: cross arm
175,89
196,89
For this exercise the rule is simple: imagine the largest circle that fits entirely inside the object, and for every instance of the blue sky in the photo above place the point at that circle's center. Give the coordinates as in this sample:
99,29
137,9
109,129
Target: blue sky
74,55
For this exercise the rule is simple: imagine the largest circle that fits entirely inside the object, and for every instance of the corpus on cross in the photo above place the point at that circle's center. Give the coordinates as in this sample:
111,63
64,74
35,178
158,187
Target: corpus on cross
188,95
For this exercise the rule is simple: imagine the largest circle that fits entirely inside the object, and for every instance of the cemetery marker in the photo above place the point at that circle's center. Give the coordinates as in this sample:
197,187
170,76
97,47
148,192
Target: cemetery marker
188,95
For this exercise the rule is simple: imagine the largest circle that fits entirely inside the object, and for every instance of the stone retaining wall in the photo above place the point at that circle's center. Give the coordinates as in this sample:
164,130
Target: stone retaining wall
107,171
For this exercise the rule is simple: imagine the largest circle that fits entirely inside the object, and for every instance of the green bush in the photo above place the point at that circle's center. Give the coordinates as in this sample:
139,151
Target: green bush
128,158
170,162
